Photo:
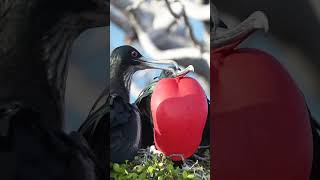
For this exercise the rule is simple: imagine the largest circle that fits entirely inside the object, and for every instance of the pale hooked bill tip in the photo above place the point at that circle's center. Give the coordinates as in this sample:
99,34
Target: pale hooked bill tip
190,68
261,20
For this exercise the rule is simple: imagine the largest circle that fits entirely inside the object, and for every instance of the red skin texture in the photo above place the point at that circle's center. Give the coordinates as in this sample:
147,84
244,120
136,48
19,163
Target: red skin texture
260,127
179,111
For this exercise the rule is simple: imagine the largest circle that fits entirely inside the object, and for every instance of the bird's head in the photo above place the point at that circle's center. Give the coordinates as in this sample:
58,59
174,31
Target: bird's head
234,36
53,26
127,57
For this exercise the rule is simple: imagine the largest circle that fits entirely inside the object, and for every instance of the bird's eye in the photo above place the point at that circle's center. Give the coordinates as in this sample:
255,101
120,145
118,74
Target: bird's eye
134,54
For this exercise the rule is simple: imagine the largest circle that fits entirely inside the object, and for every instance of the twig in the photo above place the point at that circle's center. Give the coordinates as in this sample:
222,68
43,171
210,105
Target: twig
186,21
204,147
175,15
134,5
177,53
200,158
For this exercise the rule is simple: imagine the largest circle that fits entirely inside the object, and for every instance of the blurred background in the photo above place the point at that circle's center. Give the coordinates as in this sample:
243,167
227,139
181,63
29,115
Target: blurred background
163,30
87,75
160,32
293,38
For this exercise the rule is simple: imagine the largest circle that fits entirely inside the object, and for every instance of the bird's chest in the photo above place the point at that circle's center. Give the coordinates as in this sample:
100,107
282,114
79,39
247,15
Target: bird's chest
122,112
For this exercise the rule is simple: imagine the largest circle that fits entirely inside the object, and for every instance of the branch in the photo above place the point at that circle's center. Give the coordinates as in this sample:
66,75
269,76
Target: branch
196,11
119,18
186,21
135,19
192,10
175,54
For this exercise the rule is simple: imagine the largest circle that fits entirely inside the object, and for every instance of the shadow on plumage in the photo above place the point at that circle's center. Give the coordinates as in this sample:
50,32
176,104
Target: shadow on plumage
35,41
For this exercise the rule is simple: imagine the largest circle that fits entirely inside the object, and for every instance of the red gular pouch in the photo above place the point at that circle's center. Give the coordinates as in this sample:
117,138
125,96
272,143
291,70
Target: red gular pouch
260,127
179,111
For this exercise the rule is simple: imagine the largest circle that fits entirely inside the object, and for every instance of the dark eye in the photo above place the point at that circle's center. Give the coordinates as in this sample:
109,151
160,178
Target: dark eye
134,54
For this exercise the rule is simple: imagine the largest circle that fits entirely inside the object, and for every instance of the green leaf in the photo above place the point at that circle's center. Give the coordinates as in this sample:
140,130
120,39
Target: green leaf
190,176
184,174
151,169
170,167
117,168
138,168
143,175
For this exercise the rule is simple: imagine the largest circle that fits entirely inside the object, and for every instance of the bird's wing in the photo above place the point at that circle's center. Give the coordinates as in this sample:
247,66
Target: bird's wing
117,119
143,100
96,113
143,104
96,127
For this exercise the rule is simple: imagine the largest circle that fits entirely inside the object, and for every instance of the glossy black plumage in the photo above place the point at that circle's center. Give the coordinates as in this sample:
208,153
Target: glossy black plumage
116,112
35,42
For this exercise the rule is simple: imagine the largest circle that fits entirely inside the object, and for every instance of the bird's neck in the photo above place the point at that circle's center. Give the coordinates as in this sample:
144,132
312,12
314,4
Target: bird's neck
121,82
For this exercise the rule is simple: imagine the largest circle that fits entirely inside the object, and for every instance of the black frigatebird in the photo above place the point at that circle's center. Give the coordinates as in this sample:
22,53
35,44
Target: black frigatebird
116,112
35,41
258,20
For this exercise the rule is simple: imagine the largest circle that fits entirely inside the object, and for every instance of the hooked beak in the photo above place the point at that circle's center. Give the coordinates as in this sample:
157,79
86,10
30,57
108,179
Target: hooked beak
256,21
168,65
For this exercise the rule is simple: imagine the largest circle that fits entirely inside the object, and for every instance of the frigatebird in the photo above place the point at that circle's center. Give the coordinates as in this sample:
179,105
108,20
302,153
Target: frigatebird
143,104
35,42
258,20
116,112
